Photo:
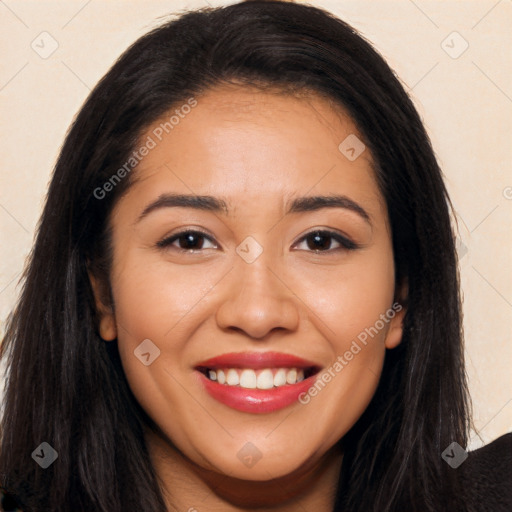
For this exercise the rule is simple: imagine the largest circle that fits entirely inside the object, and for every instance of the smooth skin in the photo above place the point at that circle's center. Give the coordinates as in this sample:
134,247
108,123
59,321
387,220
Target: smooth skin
195,297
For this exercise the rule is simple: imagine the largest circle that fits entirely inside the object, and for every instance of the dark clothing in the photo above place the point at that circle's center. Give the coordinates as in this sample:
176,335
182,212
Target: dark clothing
487,476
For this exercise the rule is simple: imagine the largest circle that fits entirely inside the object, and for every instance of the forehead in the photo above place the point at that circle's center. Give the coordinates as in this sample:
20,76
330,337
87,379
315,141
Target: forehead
246,143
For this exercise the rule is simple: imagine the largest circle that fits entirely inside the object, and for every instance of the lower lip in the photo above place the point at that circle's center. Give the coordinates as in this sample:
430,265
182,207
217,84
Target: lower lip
256,401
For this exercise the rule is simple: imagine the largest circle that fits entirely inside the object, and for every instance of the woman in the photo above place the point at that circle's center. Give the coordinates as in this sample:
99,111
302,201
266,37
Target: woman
244,287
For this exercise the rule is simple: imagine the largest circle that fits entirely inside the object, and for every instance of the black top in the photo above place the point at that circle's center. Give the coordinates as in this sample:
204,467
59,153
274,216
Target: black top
486,476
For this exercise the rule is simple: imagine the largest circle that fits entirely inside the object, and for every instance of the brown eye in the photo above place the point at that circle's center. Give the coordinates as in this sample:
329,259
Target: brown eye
324,241
188,241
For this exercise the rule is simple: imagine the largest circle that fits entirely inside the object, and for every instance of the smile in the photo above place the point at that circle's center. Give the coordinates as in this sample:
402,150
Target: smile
257,382
259,379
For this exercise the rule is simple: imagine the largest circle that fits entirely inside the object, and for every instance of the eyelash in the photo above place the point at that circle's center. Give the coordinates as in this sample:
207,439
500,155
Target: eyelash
345,243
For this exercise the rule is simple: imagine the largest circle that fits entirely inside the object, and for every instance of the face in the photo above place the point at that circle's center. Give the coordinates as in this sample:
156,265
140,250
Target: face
253,281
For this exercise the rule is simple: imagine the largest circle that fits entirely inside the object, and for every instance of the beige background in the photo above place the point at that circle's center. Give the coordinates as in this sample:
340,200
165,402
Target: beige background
465,98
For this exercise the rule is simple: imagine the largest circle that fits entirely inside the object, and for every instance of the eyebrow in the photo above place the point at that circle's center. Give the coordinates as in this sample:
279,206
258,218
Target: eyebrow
208,203
217,205
313,203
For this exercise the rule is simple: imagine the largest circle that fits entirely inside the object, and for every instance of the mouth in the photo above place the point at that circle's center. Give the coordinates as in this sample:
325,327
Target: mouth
257,382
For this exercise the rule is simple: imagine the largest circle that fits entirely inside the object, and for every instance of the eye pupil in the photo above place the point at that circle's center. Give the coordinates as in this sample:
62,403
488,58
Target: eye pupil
190,241
319,241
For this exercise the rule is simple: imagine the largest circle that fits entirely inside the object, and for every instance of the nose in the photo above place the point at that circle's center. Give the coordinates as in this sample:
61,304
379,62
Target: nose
257,302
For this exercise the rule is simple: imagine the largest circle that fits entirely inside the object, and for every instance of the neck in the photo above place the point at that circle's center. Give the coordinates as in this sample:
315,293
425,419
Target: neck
187,486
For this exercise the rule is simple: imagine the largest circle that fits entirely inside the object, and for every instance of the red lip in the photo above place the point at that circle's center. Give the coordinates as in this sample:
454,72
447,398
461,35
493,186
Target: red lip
256,401
256,361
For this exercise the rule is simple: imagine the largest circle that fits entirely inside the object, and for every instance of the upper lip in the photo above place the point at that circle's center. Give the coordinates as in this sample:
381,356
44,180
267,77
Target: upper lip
257,361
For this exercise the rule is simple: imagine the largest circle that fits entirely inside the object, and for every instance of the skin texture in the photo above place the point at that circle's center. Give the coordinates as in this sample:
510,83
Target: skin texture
257,151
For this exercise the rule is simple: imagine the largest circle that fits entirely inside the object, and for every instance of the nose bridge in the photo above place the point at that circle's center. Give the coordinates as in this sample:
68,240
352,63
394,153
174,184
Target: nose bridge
253,264
257,282
257,302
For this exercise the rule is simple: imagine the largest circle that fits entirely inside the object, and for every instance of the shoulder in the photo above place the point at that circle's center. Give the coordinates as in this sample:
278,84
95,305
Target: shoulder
486,476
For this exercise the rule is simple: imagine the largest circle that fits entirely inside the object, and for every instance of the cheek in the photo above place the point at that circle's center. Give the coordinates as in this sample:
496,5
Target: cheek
350,317
157,308
155,299
352,301
352,308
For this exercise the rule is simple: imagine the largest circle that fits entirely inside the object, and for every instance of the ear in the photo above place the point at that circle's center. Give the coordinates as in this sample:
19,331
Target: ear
107,322
396,325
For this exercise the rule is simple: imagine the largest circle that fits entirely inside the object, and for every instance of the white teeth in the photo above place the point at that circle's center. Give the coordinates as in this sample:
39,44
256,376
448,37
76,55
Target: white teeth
248,379
291,376
265,380
257,379
280,377
232,378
